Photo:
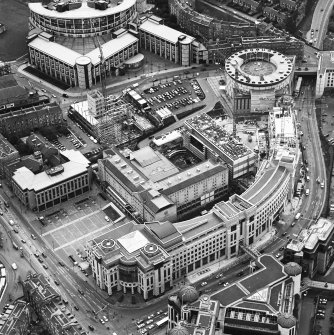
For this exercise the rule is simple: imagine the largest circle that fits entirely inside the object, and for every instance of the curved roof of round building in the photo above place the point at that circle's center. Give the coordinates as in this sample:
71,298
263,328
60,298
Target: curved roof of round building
258,67
178,330
188,294
292,269
82,11
286,320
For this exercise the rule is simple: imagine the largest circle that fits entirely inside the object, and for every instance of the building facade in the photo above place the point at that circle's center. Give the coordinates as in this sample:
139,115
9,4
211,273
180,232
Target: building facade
170,44
149,258
46,189
20,123
207,140
325,73
156,188
75,69
8,154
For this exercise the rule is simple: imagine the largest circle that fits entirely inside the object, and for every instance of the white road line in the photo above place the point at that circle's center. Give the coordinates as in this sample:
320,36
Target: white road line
70,223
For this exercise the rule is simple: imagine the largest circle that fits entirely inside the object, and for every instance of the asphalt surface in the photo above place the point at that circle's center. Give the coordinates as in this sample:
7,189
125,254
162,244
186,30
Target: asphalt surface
321,15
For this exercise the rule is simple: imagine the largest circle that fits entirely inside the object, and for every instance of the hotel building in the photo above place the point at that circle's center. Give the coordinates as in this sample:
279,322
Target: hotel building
43,190
156,188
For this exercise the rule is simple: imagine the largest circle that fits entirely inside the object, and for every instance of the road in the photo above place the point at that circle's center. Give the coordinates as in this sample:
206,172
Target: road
319,24
312,205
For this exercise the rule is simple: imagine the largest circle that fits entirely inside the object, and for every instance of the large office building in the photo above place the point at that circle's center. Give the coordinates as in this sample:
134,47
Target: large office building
170,44
67,39
260,303
76,69
156,188
208,140
148,258
42,190
22,122
254,77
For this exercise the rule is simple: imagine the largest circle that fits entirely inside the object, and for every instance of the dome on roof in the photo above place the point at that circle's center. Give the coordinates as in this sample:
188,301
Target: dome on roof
178,330
188,294
292,269
286,320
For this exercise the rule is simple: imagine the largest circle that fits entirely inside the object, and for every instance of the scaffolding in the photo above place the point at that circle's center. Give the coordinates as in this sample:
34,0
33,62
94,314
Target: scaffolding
109,127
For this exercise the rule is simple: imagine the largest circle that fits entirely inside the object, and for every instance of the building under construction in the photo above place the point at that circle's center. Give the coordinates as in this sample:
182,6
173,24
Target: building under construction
107,119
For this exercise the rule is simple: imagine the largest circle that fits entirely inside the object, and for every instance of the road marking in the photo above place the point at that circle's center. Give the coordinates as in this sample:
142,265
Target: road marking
70,223
83,236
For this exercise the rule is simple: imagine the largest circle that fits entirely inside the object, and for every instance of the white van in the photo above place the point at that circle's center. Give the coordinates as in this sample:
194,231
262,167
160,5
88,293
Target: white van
107,218
297,216
11,222
307,191
14,266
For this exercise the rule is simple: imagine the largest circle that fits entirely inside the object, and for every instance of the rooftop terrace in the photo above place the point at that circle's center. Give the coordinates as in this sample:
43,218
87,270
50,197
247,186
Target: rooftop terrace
217,136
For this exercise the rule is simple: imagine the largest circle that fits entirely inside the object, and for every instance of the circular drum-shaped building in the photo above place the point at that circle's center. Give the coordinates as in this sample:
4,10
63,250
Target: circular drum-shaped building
259,74
82,18
258,69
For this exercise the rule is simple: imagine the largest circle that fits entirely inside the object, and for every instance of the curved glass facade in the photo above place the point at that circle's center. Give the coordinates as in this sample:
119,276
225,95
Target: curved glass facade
83,26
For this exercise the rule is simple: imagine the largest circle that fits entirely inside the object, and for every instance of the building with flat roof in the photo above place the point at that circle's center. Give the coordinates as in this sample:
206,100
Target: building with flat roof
47,304
22,122
169,43
206,139
312,248
262,302
8,154
325,73
188,245
77,69
42,190
156,188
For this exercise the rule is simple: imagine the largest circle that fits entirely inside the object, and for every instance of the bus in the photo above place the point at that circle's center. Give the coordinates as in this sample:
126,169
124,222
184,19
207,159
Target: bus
162,322
298,85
